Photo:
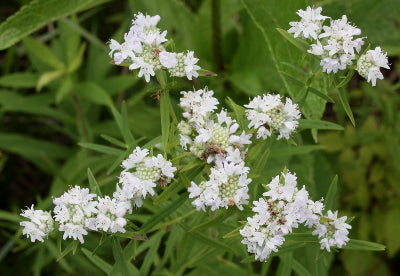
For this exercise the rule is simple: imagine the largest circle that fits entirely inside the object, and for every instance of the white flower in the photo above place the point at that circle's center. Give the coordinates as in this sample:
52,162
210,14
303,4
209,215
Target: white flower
368,65
75,211
226,187
310,25
40,225
111,215
332,231
168,60
140,176
190,65
268,114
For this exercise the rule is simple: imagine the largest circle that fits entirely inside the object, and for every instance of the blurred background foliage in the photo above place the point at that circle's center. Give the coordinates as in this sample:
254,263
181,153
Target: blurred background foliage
57,89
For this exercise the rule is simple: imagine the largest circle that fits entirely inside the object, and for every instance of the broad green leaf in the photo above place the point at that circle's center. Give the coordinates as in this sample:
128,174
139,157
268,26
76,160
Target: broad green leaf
36,14
318,124
101,148
19,80
165,120
346,105
94,186
96,260
43,53
299,43
163,213
331,196
364,245
93,93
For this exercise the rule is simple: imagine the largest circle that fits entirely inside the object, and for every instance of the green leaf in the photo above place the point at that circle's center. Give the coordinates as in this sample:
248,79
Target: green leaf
205,225
310,89
19,80
77,61
346,79
101,148
239,112
36,14
300,269
346,105
330,199
206,240
205,73
121,266
163,213
126,133
93,93
285,264
94,186
318,124
233,233
297,42
172,189
150,255
165,121
48,77
64,89
66,251
114,141
8,216
96,260
43,53
364,245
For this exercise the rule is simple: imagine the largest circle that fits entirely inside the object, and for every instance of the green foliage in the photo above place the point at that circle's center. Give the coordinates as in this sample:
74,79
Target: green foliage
70,117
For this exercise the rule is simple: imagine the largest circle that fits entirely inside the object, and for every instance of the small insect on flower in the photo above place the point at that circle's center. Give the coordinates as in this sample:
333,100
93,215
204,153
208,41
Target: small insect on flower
212,150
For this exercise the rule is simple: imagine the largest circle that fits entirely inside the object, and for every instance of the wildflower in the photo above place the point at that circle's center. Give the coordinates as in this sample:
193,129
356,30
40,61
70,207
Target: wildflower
268,114
40,225
368,65
143,49
111,215
332,231
226,187
140,176
281,209
310,24
75,211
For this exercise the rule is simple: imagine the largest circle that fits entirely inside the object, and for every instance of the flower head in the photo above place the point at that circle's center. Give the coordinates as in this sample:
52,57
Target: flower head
368,65
269,114
75,211
310,24
40,225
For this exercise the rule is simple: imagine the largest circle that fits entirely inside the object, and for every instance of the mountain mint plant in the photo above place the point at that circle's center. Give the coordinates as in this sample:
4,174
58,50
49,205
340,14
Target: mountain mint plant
211,157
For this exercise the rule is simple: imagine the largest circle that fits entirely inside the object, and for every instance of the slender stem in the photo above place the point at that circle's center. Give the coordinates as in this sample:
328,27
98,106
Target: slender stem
216,34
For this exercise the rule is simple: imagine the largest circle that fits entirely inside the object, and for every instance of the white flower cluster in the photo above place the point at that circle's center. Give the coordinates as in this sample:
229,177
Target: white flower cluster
213,138
40,225
140,176
269,114
284,208
336,44
368,65
77,211
143,49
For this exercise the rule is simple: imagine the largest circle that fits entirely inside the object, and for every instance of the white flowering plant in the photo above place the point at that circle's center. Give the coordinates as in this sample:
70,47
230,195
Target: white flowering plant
201,171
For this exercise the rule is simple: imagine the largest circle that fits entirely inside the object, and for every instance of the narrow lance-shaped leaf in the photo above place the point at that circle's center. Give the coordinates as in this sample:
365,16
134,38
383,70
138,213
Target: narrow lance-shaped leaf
94,186
299,43
330,199
38,13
